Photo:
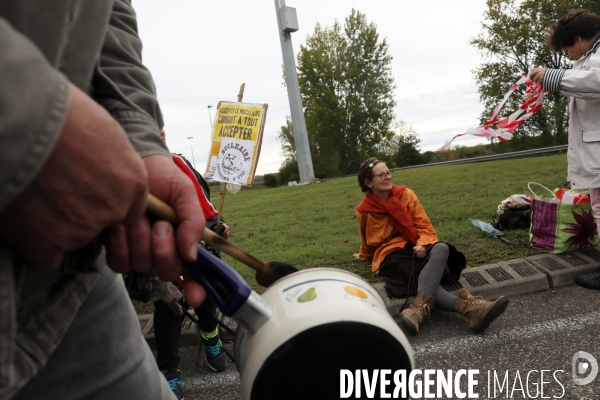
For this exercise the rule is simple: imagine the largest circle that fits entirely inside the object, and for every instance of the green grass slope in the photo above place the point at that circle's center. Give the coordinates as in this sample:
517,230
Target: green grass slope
313,226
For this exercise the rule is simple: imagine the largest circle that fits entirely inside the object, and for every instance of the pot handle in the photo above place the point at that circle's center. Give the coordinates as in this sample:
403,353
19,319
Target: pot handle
224,285
229,290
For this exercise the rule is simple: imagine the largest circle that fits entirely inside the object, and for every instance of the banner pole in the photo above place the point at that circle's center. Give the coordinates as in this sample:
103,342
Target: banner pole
240,96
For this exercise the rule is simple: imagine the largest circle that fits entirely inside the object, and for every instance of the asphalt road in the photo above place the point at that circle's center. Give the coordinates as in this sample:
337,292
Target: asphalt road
533,342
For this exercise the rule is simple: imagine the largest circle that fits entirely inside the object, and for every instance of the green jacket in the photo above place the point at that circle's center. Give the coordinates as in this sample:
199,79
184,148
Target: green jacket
43,45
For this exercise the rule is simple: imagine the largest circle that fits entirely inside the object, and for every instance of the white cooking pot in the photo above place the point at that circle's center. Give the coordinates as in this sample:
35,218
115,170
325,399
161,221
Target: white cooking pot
294,341
324,320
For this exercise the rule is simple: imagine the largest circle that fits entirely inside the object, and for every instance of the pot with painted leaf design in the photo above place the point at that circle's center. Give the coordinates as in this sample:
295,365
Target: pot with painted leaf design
324,321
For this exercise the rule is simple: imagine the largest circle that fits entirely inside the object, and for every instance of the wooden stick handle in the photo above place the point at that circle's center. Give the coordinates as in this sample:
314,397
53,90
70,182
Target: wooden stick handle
162,209
166,212
222,193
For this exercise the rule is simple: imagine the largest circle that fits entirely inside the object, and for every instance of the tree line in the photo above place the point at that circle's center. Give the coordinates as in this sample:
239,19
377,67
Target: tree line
347,89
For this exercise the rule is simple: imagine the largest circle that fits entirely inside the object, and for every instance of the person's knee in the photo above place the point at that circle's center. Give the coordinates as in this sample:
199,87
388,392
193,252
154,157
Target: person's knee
440,250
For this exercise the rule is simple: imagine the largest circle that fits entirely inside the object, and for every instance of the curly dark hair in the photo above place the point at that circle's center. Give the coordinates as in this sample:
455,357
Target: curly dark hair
366,172
582,23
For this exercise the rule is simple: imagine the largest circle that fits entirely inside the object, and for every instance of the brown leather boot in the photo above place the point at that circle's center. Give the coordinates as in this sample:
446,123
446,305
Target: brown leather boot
478,311
413,316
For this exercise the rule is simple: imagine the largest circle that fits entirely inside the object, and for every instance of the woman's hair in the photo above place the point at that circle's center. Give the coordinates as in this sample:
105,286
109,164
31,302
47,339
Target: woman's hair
582,23
366,172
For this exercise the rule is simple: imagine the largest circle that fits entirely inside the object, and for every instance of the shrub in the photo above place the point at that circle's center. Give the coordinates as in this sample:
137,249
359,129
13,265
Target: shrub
270,180
289,172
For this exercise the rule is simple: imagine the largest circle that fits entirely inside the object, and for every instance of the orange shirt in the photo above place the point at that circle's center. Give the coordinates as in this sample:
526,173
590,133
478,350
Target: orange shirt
378,237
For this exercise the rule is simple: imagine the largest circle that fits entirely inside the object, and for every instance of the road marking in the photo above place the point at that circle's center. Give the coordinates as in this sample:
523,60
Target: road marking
212,380
506,336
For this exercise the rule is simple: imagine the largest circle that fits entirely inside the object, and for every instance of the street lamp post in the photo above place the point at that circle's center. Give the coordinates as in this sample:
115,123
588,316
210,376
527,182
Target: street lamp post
287,22
210,118
192,147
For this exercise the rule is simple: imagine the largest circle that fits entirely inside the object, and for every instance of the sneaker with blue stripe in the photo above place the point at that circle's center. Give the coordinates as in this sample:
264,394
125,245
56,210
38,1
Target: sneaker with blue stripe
213,350
174,380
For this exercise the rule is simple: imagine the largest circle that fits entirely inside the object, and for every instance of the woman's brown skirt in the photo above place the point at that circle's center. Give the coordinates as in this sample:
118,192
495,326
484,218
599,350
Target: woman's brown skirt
401,272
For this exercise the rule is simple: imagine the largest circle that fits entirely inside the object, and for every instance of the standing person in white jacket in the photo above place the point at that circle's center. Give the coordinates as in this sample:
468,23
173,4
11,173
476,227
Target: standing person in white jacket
578,34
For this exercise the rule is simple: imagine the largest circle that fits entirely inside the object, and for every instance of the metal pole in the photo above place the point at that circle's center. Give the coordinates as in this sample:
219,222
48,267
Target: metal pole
191,147
303,156
210,117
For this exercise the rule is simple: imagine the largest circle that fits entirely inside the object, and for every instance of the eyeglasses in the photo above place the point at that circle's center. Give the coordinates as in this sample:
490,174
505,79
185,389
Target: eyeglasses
384,175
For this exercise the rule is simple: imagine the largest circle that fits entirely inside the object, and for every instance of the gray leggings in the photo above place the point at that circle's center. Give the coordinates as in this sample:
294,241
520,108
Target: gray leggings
431,275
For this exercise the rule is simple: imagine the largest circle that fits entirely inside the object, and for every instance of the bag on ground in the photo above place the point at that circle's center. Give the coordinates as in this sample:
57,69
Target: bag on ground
559,227
514,212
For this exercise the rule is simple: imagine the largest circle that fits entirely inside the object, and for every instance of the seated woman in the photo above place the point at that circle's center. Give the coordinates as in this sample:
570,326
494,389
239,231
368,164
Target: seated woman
398,237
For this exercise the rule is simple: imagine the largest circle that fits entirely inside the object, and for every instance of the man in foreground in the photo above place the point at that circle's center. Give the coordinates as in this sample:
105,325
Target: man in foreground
79,151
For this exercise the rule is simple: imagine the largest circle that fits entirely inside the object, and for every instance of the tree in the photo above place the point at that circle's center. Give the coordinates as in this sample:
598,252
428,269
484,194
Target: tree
286,138
324,166
513,41
288,172
406,145
347,92
402,149
431,156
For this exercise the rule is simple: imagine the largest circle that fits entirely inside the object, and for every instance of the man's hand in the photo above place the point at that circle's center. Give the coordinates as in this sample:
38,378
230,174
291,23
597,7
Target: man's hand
168,183
92,180
141,246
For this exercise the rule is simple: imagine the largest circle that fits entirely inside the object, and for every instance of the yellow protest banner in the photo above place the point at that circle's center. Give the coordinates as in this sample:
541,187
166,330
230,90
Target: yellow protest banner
236,142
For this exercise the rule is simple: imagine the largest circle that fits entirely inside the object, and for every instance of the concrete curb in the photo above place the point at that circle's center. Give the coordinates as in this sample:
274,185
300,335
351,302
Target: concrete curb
506,278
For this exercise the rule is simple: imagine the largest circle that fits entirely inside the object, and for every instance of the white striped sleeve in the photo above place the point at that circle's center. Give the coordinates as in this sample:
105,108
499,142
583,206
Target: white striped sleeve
552,79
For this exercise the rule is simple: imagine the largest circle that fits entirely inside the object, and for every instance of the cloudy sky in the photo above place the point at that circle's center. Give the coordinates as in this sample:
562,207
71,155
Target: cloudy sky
200,53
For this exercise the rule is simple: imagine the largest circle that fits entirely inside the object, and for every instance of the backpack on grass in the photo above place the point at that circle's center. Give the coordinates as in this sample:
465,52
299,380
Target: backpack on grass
513,213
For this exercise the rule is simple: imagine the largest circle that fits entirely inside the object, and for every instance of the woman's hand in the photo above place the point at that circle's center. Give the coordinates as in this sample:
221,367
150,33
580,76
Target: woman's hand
226,234
420,251
537,74
356,256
